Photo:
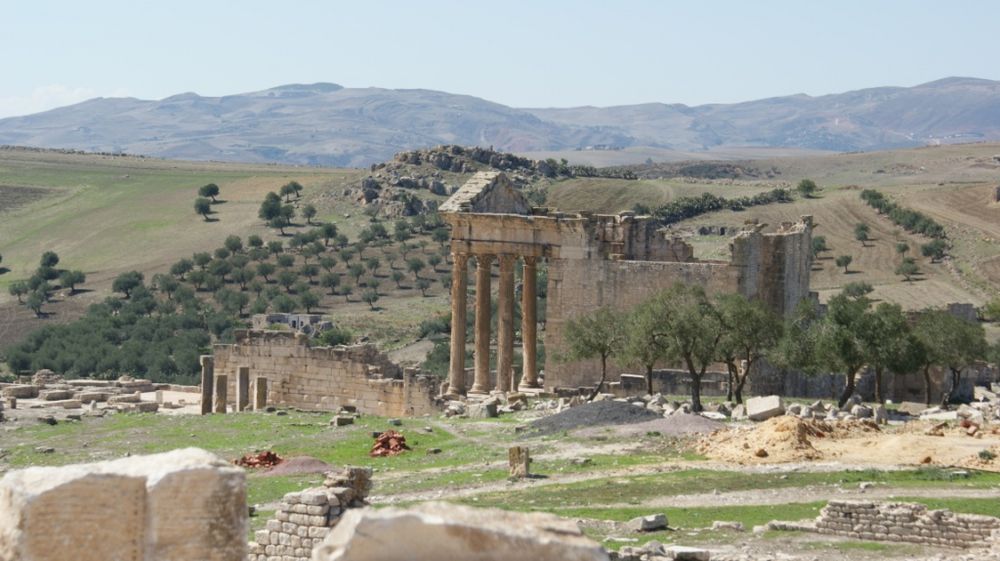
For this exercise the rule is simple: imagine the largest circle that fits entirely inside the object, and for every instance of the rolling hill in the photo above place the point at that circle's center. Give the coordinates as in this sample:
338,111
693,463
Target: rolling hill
330,125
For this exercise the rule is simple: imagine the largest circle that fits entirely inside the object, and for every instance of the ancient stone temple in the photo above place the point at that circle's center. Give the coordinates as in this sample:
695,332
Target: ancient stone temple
593,260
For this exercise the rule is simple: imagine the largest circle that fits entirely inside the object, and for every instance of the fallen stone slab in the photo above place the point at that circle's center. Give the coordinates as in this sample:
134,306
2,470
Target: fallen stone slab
436,531
682,553
91,396
764,407
648,523
55,395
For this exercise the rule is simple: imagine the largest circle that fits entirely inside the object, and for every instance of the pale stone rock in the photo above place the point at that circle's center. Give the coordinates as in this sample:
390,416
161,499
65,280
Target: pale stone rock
648,523
764,407
436,531
682,553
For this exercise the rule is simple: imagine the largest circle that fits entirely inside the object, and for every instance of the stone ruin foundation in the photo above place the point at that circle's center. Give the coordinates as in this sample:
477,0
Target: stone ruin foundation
900,522
281,369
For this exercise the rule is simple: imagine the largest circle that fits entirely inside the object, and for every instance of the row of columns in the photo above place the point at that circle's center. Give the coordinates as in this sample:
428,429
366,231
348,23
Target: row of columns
505,324
215,389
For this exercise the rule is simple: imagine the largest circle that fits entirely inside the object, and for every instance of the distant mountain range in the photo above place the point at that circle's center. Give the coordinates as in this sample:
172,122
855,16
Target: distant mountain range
327,124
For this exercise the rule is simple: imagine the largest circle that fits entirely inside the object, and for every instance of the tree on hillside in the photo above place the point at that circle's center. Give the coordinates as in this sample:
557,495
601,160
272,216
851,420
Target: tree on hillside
127,282
594,335
806,188
370,296
203,207
397,277
372,264
355,271
857,289
750,331
234,244
286,279
309,271
330,281
289,189
221,253
309,300
283,304
328,232
423,285
270,208
844,261
181,268
935,249
907,269
861,232
275,247
255,241
70,279
415,265
285,260
35,301
201,259
434,260
49,260
243,276
441,236
279,223
18,289
902,248
819,245
328,263
211,190
308,212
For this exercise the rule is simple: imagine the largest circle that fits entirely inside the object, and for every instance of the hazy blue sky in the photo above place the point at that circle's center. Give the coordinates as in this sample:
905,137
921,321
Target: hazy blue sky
521,53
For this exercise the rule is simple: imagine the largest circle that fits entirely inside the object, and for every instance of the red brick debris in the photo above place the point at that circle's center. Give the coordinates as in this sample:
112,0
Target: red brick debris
263,459
388,443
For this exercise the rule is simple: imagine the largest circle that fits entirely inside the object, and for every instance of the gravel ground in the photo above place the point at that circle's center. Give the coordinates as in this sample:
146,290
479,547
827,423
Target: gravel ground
678,424
596,413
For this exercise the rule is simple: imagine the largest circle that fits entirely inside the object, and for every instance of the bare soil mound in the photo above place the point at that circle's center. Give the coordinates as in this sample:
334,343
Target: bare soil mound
781,439
595,413
299,465
678,424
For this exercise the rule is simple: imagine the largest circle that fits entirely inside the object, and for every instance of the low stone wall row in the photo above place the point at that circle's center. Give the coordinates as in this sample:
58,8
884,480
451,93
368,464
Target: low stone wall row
304,518
905,522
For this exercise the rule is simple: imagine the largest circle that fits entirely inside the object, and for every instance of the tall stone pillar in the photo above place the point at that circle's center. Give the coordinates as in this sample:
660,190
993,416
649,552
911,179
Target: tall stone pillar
260,393
482,353
221,391
529,323
207,379
242,388
459,288
505,325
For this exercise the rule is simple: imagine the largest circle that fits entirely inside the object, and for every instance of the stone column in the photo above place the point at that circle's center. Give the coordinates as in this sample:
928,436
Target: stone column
459,287
505,325
242,388
482,353
221,391
260,393
207,379
529,323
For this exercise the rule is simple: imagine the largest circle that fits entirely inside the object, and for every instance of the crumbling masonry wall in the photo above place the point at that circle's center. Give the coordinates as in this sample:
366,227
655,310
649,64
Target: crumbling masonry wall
326,378
305,517
905,522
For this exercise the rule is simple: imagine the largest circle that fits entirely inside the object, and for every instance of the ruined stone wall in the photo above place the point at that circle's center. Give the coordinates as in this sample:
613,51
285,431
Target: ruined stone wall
305,517
905,522
326,378
578,287
184,504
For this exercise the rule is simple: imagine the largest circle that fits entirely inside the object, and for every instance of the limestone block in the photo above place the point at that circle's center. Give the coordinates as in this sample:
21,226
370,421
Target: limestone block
519,461
184,504
649,523
764,407
435,531
22,391
682,553
52,514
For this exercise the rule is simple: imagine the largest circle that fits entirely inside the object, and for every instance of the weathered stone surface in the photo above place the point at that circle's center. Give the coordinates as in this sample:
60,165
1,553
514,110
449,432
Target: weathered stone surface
436,531
185,504
682,553
764,407
648,523
22,391
519,460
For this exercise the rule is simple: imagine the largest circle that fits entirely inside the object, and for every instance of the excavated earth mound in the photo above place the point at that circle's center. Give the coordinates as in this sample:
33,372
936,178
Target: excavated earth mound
595,413
780,439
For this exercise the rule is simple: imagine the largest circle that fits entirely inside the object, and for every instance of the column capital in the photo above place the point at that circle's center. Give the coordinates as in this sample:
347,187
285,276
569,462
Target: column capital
507,259
459,258
484,258
530,260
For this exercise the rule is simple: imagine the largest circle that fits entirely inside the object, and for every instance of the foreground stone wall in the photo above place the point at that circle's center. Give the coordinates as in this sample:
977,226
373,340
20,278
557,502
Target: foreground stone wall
305,517
184,504
905,522
325,378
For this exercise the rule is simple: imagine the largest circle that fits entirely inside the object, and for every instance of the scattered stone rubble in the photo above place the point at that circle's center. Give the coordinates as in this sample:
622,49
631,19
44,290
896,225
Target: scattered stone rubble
305,517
